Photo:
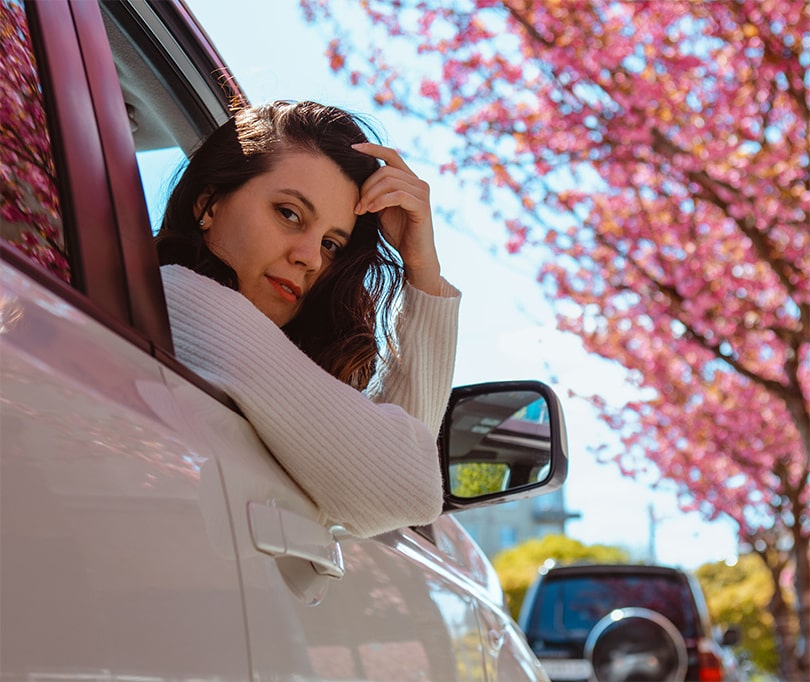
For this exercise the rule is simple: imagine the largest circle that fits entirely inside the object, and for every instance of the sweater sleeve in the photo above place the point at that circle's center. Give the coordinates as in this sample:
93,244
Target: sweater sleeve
372,467
418,373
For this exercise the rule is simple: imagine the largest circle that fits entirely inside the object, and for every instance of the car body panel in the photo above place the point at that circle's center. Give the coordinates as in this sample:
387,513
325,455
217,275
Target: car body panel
149,554
106,559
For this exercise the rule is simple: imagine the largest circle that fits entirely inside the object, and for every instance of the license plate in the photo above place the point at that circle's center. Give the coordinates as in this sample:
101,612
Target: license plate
567,669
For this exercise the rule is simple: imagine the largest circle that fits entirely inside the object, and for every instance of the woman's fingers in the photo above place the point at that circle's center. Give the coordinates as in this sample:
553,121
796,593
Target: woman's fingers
390,187
390,156
402,201
391,183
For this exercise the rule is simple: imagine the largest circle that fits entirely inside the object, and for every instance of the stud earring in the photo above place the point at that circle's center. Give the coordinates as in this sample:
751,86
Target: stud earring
202,222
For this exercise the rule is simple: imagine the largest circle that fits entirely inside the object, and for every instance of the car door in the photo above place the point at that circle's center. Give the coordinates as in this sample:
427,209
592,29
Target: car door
107,567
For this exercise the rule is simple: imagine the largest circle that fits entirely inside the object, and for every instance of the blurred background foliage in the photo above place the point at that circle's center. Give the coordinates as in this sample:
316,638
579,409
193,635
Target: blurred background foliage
740,594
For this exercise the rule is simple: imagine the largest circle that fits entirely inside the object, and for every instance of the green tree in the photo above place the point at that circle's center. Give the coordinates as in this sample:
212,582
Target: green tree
517,567
470,479
740,595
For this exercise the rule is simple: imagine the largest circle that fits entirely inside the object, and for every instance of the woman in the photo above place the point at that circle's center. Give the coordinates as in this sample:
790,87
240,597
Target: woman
277,278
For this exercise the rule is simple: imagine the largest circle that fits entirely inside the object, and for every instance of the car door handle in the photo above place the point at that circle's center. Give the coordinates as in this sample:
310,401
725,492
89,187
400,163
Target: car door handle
280,532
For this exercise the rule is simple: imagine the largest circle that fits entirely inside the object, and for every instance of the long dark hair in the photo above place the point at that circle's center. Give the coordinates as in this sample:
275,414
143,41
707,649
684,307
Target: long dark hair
337,324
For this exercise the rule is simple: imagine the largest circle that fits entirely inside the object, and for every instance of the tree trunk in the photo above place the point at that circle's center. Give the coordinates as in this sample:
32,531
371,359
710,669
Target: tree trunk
801,545
784,622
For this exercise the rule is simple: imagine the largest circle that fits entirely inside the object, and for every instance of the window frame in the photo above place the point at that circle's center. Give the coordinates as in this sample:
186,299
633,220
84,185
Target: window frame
142,287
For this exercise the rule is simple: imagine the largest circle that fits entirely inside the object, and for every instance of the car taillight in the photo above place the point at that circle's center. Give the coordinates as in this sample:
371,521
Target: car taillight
710,667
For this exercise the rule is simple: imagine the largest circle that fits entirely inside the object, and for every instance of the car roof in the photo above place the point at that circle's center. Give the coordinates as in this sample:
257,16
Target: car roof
612,569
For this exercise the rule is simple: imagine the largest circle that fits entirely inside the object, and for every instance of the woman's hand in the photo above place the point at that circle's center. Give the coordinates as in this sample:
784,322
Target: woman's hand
403,203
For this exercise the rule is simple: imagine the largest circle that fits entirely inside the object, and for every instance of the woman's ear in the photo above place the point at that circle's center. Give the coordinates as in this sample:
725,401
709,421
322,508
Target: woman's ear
203,207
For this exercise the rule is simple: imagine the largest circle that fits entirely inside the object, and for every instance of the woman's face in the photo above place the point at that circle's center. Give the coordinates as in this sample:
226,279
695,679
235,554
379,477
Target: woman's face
281,230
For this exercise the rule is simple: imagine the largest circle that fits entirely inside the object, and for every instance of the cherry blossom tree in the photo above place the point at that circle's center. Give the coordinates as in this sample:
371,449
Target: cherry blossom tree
29,205
654,156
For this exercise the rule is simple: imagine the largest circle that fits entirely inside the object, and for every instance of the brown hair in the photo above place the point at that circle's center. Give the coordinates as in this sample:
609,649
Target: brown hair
337,324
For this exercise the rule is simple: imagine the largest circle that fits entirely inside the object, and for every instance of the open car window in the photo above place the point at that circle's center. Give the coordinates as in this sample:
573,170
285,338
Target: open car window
170,102
73,203
159,168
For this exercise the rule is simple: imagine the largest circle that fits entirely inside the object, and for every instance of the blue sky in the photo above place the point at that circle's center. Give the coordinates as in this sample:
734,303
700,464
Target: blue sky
506,328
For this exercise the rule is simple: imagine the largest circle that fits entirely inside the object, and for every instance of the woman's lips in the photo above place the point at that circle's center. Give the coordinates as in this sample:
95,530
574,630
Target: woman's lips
288,291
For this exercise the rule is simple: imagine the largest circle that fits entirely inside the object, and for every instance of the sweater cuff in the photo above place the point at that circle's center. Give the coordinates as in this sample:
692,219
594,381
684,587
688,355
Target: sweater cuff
413,296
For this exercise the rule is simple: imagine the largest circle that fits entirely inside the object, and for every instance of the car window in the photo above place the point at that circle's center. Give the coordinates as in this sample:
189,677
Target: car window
30,213
169,100
570,607
159,169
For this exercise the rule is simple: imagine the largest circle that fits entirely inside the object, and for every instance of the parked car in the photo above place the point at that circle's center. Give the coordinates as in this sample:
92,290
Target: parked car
624,622
146,532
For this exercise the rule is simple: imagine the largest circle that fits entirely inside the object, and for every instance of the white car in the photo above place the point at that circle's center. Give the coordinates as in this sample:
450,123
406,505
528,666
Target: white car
145,531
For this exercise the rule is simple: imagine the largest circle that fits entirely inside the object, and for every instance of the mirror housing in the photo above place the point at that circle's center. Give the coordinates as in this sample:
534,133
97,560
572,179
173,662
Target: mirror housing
502,441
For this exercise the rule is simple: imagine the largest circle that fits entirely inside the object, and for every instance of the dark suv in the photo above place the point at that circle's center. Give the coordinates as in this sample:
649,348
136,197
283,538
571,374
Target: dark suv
624,622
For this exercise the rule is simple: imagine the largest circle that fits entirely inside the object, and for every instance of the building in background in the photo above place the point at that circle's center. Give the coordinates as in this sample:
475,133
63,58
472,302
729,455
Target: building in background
499,527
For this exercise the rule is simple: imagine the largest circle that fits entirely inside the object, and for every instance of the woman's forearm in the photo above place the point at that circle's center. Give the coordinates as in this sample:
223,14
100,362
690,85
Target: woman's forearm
370,467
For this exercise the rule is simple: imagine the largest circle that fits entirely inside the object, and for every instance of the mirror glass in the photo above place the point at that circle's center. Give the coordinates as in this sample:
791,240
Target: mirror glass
498,441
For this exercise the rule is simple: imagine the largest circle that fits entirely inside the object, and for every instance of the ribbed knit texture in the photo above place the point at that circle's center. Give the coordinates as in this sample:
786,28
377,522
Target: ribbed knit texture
369,463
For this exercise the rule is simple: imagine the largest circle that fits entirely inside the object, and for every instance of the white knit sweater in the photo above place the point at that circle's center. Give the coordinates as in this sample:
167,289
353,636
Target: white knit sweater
368,461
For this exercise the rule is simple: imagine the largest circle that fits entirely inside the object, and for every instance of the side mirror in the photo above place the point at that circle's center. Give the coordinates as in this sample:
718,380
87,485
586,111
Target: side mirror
502,440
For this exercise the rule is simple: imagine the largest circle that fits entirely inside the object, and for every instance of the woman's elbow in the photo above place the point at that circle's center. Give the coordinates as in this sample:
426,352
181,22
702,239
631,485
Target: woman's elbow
384,520
413,498
435,506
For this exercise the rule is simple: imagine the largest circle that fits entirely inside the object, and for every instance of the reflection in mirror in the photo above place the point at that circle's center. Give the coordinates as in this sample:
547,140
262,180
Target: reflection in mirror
499,441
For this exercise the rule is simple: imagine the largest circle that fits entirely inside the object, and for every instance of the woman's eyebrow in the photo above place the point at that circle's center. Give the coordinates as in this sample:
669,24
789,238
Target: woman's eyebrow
311,208
303,199
342,233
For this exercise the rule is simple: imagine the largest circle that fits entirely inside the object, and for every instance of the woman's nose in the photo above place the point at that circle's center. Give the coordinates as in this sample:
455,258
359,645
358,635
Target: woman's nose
306,251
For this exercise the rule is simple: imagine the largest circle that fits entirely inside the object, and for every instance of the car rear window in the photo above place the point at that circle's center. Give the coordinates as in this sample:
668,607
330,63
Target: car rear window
568,607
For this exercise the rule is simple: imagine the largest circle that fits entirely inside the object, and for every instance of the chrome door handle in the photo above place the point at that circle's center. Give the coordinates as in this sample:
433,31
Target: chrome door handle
279,532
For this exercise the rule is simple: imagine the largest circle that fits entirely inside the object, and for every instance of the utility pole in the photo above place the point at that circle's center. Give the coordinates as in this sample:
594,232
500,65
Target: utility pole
651,539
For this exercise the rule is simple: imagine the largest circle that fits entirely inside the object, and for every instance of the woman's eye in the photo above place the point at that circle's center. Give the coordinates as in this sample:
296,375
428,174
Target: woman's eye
289,214
332,247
